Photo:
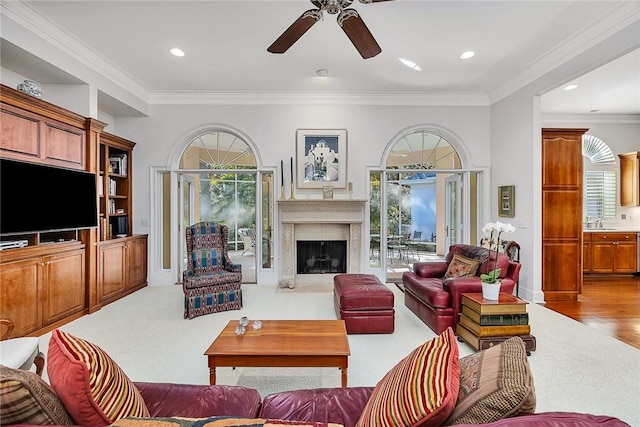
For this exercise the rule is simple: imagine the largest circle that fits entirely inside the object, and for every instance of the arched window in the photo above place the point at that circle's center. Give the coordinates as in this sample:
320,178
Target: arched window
600,188
422,149
219,177
218,150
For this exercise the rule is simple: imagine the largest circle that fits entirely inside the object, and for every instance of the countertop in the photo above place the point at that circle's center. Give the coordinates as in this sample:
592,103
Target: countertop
612,230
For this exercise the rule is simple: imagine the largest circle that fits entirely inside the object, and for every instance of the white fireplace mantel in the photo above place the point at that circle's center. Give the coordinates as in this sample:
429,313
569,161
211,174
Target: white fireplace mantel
323,212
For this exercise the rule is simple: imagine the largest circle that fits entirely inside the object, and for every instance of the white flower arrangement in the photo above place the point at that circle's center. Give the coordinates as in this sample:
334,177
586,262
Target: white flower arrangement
495,227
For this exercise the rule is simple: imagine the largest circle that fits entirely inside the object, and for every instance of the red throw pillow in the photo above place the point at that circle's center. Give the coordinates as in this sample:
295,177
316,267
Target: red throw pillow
421,387
93,388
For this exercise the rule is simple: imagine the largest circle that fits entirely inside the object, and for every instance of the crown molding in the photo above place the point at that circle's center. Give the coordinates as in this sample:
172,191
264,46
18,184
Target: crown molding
590,118
324,98
621,16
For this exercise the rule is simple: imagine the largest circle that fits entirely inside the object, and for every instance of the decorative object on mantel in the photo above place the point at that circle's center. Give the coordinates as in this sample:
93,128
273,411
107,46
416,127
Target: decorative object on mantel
31,87
281,180
321,158
506,201
327,192
490,280
291,188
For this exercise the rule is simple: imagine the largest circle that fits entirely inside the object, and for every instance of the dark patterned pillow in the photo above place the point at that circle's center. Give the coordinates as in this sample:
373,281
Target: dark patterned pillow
461,266
494,384
26,399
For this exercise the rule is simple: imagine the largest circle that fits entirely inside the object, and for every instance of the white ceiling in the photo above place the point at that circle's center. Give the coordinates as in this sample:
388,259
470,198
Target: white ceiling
226,41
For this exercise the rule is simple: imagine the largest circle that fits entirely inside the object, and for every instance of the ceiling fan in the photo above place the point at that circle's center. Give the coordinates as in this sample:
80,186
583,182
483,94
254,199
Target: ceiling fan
348,19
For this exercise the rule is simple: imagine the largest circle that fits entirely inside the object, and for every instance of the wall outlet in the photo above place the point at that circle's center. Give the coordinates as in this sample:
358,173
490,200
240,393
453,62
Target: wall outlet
623,216
144,222
522,224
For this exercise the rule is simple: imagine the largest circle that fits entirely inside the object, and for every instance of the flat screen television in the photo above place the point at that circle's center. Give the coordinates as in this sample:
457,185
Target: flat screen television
38,198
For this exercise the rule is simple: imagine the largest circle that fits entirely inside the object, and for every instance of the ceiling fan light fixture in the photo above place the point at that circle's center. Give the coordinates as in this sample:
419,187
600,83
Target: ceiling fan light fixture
467,54
410,64
176,52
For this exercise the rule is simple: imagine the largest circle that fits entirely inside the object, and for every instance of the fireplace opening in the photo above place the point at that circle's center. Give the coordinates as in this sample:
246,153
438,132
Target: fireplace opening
321,256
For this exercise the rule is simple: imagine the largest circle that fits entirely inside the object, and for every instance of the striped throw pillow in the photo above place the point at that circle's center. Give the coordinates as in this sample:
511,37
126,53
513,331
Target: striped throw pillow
93,388
422,387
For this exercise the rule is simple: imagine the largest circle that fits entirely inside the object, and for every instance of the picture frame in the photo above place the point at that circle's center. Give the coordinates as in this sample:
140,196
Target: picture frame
506,201
321,158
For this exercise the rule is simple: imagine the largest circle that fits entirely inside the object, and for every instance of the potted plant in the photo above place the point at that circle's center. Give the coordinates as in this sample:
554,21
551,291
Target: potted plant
490,280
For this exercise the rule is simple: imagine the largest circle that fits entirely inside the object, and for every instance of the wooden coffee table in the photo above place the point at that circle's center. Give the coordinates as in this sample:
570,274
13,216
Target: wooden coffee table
282,343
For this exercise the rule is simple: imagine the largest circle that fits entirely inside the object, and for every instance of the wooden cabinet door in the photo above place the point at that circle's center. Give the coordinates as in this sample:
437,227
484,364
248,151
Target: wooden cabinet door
625,260
137,261
63,290
562,214
603,253
630,179
112,277
19,297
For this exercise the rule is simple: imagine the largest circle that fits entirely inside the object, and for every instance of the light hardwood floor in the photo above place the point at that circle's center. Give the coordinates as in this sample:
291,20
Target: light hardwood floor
610,304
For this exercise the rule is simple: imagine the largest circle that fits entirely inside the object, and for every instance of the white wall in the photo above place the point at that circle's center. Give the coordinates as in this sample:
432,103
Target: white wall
273,131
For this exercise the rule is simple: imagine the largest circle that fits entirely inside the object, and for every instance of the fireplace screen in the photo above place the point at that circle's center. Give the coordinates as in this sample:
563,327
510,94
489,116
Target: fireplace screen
321,256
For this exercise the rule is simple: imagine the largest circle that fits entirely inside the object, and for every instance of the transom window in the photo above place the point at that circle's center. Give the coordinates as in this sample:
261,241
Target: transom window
423,150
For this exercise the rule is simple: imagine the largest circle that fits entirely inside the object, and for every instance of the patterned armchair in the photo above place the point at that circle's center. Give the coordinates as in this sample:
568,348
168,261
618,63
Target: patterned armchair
211,282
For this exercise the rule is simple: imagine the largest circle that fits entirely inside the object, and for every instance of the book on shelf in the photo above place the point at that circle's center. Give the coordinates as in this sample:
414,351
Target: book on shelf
504,305
495,319
493,331
483,343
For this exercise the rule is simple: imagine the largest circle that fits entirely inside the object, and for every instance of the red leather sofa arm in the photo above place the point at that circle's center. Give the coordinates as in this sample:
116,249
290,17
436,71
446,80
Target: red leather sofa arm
197,401
329,405
430,269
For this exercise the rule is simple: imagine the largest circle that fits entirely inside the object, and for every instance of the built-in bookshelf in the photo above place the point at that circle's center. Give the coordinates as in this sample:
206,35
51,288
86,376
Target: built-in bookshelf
115,186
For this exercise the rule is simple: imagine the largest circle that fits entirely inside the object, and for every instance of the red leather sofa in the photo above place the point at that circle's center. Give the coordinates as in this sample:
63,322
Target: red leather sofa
336,405
436,300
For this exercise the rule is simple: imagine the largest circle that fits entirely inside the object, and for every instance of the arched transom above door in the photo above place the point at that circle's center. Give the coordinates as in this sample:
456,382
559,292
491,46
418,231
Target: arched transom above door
218,150
422,149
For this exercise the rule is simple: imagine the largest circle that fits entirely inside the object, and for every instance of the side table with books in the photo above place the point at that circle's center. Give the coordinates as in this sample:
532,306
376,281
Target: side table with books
484,323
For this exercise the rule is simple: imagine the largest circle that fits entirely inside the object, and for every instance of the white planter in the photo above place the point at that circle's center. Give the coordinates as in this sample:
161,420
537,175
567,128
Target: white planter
491,291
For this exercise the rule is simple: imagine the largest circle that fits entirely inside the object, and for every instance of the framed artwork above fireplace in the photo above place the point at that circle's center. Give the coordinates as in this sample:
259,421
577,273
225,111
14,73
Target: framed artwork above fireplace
321,157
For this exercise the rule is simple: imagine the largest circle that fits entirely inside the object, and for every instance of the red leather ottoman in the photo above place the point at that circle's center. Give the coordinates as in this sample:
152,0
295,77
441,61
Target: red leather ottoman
364,303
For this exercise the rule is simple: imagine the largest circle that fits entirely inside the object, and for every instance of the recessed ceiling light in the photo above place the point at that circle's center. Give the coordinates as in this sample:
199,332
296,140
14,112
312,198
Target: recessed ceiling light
322,72
468,54
570,87
410,64
176,52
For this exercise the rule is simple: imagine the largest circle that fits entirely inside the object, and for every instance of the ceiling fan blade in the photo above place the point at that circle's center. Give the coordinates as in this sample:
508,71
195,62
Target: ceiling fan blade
372,1
357,31
295,31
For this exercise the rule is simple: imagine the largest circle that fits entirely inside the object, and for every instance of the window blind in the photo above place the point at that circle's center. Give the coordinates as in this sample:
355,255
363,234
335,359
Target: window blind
600,194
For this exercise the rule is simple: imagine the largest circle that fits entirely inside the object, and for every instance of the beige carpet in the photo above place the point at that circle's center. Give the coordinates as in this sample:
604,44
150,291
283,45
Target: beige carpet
575,367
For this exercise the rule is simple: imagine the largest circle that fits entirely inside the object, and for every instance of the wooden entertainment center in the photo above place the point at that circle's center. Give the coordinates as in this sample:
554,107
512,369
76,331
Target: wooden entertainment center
62,275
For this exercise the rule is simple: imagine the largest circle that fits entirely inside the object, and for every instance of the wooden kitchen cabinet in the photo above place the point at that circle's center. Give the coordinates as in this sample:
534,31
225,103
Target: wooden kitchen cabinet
614,253
123,267
42,285
630,179
33,137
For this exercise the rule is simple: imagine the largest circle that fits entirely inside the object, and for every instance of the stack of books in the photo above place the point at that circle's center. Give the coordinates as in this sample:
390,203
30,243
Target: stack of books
485,323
